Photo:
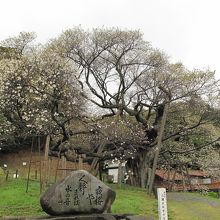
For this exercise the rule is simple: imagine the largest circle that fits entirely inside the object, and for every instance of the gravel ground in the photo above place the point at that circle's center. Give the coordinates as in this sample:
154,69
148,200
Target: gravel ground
174,196
190,198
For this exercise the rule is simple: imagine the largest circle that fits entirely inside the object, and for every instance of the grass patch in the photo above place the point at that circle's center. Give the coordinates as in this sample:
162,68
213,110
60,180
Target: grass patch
213,195
14,201
134,200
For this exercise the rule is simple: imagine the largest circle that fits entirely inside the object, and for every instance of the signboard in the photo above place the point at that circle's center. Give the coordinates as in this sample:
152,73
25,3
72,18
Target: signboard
162,203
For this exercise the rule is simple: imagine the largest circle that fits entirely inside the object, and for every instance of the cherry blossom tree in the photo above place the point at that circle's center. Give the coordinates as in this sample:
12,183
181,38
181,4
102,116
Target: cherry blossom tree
39,93
125,76
144,103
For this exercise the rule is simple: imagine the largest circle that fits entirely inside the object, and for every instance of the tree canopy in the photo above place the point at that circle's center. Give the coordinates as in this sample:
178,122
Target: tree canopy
110,87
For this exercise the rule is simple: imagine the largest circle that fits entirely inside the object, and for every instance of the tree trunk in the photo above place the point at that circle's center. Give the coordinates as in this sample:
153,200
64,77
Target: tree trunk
148,176
143,170
132,166
138,169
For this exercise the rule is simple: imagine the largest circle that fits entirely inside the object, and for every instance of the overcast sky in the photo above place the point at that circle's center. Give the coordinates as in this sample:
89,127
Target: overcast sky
187,30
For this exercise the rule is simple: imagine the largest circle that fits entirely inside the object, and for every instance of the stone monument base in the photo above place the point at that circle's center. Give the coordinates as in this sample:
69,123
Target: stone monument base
84,217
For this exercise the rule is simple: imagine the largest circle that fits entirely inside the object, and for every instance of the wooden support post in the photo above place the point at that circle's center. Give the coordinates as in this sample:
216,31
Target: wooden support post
6,177
49,171
58,161
47,144
173,180
63,158
35,176
80,163
57,167
39,151
100,171
168,179
45,164
159,145
94,166
29,168
16,173
183,180
189,180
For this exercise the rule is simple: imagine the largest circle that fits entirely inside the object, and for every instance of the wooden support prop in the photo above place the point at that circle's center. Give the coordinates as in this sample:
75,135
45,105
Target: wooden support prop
168,178
35,176
80,164
94,166
49,170
58,161
189,180
46,162
6,177
16,173
39,151
100,172
159,145
47,144
173,180
183,180
29,168
63,158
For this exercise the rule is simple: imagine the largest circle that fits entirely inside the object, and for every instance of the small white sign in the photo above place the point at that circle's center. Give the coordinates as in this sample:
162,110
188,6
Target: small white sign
162,203
5,165
24,163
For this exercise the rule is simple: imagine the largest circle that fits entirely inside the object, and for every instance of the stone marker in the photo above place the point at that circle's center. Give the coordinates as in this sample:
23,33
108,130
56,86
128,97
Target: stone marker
162,203
78,193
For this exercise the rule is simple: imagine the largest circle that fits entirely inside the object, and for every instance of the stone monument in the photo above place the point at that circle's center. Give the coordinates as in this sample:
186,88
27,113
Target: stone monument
81,196
78,193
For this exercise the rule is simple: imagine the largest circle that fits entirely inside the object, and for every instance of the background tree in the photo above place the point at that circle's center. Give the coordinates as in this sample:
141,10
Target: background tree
39,93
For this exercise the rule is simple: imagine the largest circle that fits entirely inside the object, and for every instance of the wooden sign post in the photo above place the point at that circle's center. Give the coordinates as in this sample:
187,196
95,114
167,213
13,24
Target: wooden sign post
162,203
